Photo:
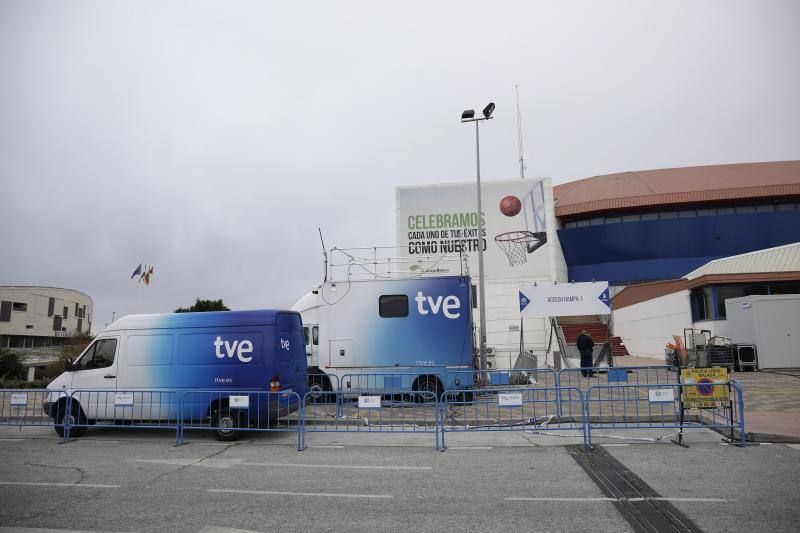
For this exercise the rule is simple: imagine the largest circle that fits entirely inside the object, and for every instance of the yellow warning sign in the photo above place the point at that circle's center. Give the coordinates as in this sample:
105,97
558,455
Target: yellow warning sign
707,388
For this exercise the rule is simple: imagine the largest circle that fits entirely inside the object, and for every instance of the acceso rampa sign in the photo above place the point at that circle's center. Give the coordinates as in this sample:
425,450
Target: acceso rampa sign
564,299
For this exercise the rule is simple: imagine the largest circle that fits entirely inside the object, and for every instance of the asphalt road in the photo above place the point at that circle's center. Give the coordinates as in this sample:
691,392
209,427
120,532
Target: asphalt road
128,481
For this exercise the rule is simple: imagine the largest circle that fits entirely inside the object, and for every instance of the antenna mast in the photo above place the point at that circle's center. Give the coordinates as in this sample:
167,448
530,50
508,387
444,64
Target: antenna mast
519,139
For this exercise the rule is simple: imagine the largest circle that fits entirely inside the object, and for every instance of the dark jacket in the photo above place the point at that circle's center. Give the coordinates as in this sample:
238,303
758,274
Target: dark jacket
585,343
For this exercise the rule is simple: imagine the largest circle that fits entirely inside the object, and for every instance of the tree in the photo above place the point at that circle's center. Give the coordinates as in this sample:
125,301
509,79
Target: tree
72,348
11,366
204,305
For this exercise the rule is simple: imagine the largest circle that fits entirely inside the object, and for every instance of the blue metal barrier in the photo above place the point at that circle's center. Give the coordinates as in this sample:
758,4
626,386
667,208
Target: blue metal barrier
513,409
323,382
392,381
33,407
391,411
229,412
658,405
634,375
476,379
139,409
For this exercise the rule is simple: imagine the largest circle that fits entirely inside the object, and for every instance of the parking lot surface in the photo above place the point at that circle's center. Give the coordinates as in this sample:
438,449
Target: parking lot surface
126,480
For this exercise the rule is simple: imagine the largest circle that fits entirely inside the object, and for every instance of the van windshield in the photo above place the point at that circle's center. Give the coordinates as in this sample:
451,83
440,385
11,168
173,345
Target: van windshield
99,355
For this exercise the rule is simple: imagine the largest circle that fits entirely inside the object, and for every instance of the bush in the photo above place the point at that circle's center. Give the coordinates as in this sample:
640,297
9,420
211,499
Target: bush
72,348
11,366
22,384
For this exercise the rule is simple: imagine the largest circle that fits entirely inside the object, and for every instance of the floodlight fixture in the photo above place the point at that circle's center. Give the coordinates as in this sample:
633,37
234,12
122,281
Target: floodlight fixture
488,110
468,114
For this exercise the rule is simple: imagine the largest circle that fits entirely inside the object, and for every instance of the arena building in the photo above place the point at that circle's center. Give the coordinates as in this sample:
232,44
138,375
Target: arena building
653,225
629,228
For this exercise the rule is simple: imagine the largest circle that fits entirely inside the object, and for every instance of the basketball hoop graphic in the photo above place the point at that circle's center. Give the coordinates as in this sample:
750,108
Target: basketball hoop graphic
518,244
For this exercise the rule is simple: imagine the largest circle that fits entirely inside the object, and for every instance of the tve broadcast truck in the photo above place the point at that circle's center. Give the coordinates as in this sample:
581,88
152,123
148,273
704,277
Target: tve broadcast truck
407,332
239,351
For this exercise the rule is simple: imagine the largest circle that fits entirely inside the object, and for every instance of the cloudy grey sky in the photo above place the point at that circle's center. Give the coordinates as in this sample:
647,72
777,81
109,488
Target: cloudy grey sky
212,138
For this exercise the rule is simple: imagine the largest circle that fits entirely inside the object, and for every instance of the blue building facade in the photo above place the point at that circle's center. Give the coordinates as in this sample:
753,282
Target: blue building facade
632,247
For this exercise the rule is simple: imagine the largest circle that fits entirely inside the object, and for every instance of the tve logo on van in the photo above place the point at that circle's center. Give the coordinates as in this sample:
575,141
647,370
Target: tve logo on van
447,304
235,348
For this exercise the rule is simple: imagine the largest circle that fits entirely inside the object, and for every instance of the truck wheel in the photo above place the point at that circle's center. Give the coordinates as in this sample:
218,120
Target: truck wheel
80,419
226,425
427,384
318,386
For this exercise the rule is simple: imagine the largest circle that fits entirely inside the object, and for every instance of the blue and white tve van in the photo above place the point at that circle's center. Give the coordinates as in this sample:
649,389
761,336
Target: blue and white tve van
237,351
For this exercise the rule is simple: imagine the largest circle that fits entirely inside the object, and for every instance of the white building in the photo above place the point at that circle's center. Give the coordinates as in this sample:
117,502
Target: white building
37,317
646,316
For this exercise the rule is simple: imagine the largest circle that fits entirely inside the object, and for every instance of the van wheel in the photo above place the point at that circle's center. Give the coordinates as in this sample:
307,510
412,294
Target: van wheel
427,384
226,425
80,419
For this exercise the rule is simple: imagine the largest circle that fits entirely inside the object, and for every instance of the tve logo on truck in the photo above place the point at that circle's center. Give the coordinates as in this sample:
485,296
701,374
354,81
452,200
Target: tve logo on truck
415,329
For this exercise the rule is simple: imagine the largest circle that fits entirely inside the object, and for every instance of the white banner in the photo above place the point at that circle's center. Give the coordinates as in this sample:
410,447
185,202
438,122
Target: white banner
661,395
369,402
509,399
240,402
564,299
123,399
19,399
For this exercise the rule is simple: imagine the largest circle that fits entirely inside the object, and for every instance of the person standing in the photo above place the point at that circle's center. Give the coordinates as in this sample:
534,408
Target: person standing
585,345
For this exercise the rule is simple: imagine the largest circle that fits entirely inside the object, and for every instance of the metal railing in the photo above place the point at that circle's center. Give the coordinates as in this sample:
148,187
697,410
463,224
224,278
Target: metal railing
652,406
228,412
131,409
392,411
621,398
513,409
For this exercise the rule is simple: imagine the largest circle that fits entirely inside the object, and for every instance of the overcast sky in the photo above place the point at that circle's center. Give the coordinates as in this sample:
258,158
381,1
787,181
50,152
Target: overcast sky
211,139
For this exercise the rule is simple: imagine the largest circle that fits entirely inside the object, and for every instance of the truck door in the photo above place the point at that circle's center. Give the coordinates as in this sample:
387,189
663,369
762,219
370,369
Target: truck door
291,353
97,370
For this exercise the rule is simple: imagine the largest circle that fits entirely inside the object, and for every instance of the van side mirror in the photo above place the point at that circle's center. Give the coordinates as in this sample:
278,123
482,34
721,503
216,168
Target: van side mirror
69,365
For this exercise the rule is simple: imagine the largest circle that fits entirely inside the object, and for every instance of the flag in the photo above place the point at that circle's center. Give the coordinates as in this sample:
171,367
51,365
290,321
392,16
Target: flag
147,276
137,272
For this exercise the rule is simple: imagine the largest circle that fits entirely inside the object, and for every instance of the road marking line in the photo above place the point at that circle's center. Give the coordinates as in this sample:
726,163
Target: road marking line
331,446
312,494
555,499
42,484
794,446
603,499
353,467
615,445
470,447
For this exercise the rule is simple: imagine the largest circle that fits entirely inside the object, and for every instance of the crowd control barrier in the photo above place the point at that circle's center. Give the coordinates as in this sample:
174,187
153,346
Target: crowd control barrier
383,382
396,411
476,379
232,411
648,406
33,407
634,375
513,409
140,409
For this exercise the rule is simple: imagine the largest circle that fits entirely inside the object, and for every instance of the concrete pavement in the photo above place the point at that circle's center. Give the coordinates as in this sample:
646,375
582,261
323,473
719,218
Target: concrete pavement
128,480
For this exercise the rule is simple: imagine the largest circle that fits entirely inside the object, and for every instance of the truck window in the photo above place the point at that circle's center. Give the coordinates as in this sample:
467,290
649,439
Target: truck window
315,335
99,355
393,305
306,336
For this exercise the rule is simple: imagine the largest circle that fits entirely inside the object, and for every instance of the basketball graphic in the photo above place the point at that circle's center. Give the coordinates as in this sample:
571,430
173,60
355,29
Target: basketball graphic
510,206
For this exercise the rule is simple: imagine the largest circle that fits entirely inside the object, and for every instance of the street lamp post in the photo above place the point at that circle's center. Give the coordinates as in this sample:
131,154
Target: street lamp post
469,116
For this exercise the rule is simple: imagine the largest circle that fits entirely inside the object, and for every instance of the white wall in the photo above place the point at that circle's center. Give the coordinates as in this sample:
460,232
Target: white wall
648,326
776,325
